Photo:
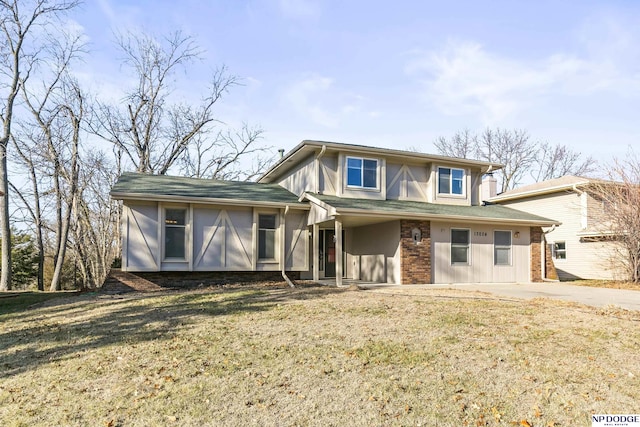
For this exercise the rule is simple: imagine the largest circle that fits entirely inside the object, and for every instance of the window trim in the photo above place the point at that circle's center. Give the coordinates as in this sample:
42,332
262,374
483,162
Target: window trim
276,238
362,187
496,247
555,251
452,245
185,227
451,193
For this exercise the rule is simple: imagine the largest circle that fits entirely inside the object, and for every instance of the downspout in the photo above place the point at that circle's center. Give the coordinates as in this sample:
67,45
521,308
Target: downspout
283,252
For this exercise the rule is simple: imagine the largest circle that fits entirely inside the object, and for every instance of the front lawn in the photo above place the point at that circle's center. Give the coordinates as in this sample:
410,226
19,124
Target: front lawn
315,356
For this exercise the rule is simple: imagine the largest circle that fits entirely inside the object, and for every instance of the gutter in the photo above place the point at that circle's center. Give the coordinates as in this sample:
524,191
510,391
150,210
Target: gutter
203,200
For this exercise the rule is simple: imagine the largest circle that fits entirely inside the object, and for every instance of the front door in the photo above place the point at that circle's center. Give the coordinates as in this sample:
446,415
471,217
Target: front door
329,257
329,253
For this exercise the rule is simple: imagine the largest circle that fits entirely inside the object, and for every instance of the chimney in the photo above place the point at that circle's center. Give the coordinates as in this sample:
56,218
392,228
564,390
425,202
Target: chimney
489,187
281,151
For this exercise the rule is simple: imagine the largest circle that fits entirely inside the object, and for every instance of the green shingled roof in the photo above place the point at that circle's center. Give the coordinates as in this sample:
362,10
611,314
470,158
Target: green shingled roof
398,207
132,185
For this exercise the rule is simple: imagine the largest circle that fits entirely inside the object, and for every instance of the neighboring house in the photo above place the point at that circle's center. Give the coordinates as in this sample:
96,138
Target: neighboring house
329,210
581,247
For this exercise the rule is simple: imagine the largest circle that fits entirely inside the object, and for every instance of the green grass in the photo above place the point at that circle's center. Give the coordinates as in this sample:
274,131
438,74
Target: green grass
315,356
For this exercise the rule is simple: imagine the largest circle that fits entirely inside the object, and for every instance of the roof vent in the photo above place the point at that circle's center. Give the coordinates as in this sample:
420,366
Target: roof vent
281,151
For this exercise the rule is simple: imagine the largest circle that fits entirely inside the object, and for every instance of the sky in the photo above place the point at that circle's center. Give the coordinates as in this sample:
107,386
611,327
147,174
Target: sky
398,74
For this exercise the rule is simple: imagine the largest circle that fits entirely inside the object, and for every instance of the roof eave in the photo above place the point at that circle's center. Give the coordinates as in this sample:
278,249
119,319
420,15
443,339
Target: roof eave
538,192
313,145
204,200
465,218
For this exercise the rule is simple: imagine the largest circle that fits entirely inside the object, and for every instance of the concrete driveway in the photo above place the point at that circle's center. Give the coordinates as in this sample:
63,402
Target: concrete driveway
596,297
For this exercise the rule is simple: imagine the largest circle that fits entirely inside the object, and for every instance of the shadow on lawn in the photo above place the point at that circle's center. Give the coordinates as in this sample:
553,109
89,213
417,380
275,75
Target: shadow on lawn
127,320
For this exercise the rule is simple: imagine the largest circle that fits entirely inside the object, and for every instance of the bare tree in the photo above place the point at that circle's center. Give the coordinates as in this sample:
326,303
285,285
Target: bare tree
220,158
554,161
18,54
151,131
620,198
463,144
519,154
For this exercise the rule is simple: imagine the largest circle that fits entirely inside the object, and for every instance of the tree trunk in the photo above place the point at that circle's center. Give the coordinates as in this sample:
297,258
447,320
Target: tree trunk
5,228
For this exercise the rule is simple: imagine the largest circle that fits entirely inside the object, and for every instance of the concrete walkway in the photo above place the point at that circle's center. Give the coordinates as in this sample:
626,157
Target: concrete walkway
596,297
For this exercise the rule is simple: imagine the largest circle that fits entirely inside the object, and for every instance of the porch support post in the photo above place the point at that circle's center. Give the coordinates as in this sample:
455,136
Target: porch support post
315,261
339,266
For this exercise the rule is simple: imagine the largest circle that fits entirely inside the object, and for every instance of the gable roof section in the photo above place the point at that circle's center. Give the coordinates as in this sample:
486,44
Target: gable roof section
173,188
410,209
310,147
564,183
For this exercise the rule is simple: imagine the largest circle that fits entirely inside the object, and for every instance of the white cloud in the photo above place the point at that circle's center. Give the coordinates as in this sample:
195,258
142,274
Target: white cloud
305,96
317,99
465,78
297,9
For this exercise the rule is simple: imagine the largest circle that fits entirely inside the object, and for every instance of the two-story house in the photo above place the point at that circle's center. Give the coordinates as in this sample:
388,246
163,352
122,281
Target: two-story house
582,247
330,210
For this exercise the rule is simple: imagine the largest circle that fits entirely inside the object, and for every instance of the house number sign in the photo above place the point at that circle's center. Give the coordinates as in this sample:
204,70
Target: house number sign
480,233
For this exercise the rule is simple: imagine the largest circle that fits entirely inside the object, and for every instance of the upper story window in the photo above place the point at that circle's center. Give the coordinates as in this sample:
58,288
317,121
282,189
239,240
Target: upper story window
451,181
362,172
175,233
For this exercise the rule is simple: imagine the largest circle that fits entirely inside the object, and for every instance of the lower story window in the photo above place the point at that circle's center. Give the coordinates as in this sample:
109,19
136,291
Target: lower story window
459,246
560,250
175,233
502,247
266,237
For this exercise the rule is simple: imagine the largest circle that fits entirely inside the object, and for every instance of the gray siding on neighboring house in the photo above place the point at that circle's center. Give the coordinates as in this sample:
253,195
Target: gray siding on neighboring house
587,260
481,267
375,252
218,238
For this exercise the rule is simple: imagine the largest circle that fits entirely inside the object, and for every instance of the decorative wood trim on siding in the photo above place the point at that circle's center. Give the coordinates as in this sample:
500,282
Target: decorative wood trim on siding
403,175
220,225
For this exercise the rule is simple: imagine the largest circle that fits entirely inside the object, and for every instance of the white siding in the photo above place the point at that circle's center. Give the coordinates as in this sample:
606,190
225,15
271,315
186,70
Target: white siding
587,260
481,268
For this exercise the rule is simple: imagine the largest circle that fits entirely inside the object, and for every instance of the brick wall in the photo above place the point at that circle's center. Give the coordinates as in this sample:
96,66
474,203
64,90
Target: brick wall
415,259
535,242
550,267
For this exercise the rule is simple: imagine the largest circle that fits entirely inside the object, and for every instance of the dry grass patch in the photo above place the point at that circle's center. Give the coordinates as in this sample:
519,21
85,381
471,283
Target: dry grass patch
315,356
613,284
